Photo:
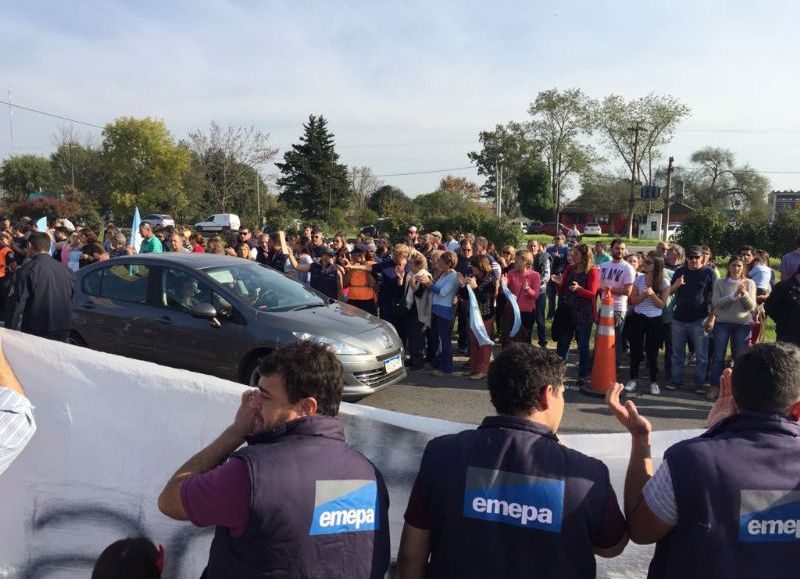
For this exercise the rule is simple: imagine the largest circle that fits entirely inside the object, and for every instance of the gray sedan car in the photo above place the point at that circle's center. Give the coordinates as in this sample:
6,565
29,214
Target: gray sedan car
219,315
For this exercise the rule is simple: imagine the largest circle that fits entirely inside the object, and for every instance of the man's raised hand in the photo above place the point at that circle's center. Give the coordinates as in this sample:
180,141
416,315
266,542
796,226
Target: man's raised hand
627,414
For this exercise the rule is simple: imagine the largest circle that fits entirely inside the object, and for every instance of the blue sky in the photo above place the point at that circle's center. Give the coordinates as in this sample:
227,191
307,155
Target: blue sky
405,86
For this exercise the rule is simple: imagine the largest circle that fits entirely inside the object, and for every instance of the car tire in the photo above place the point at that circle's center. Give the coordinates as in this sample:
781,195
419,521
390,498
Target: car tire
225,229
250,374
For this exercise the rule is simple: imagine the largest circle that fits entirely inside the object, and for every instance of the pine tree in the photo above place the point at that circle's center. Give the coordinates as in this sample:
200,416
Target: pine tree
312,179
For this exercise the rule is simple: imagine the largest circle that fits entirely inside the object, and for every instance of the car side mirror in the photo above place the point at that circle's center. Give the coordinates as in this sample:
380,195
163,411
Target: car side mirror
206,312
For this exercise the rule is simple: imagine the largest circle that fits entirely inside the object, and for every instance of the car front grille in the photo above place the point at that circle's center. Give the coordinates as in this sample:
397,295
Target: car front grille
378,377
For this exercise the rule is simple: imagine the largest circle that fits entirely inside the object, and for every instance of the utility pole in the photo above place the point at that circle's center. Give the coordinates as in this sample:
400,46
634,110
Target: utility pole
500,195
670,169
10,119
636,129
258,199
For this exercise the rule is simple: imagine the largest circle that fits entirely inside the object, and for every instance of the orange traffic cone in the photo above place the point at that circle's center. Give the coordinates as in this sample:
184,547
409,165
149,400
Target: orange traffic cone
604,369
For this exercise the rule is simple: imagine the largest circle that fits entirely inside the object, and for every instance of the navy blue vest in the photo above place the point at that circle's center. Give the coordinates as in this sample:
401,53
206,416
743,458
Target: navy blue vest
737,488
507,500
319,509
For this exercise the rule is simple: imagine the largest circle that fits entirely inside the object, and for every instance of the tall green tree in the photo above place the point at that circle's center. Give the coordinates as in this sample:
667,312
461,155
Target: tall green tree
312,179
615,120
533,186
23,174
79,171
511,147
388,198
144,166
559,120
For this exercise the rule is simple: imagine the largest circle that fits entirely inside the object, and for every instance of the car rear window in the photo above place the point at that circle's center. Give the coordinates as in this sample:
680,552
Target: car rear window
126,283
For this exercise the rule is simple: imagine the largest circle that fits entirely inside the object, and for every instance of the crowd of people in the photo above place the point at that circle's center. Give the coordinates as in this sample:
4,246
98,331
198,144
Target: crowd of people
285,490
670,299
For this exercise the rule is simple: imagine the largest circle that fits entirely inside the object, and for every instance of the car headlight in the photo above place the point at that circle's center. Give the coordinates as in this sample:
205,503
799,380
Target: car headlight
338,347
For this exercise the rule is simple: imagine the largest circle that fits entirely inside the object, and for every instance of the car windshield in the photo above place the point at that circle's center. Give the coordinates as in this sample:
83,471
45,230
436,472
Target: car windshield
263,288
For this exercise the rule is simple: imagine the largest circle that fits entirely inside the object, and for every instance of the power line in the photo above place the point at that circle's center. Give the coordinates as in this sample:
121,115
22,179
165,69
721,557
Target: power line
427,172
733,130
50,115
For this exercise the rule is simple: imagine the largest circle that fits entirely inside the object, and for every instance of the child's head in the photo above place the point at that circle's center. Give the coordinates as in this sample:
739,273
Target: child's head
130,559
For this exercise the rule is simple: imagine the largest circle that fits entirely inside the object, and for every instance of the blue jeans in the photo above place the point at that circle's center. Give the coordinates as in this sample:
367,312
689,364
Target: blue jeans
582,335
693,333
541,328
443,351
723,333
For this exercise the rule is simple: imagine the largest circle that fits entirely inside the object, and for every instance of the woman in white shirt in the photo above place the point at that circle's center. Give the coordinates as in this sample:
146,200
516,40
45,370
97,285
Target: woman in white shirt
650,292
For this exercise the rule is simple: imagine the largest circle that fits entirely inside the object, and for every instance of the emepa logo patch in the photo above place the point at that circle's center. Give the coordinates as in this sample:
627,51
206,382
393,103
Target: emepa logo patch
769,516
345,506
516,499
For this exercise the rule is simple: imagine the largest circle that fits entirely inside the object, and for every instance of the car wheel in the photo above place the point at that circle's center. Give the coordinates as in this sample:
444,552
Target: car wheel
225,229
76,340
250,375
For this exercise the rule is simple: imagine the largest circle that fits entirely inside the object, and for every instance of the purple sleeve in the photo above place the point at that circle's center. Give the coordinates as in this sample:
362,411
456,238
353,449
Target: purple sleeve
613,527
220,496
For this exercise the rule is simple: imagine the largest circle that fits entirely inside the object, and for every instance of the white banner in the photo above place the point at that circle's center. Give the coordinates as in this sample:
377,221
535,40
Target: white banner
112,430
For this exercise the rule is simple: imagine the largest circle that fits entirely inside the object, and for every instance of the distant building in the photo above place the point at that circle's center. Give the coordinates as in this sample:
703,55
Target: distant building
784,201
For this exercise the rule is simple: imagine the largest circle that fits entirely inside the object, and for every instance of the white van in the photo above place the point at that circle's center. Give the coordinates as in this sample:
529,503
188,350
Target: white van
219,222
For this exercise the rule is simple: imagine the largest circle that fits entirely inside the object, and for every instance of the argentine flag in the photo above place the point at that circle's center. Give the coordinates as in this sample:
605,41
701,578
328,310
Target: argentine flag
41,225
136,238
476,320
512,299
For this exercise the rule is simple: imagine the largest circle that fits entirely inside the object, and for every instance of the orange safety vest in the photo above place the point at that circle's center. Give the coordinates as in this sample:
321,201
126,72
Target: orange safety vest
359,290
4,251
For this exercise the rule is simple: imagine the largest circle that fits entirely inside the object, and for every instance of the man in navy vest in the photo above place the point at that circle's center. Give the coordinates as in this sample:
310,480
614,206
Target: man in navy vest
507,499
727,503
296,497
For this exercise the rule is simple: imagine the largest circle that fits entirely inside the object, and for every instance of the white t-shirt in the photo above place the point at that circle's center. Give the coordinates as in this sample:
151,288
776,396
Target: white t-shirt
617,275
659,494
647,307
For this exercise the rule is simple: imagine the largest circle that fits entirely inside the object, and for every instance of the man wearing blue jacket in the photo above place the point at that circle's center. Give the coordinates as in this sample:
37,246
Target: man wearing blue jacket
727,503
296,497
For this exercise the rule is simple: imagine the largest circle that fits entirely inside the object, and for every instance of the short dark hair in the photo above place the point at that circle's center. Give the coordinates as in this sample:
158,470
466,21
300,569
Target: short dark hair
40,242
749,248
617,241
128,559
519,375
308,370
767,378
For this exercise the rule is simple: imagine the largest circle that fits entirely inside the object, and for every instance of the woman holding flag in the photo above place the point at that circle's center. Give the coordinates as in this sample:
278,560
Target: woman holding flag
484,286
524,283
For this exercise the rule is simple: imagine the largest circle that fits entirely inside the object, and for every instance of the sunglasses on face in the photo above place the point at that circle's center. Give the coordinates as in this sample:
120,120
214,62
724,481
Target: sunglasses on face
693,257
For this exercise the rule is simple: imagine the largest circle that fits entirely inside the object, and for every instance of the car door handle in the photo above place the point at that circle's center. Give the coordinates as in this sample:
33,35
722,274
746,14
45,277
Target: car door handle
164,320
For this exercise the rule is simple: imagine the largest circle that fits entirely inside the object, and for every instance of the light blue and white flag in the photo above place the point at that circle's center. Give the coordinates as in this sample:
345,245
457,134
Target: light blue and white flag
41,225
512,299
476,321
136,237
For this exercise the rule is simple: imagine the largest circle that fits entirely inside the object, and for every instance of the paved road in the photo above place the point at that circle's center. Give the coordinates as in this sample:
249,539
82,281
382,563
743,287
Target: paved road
459,399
